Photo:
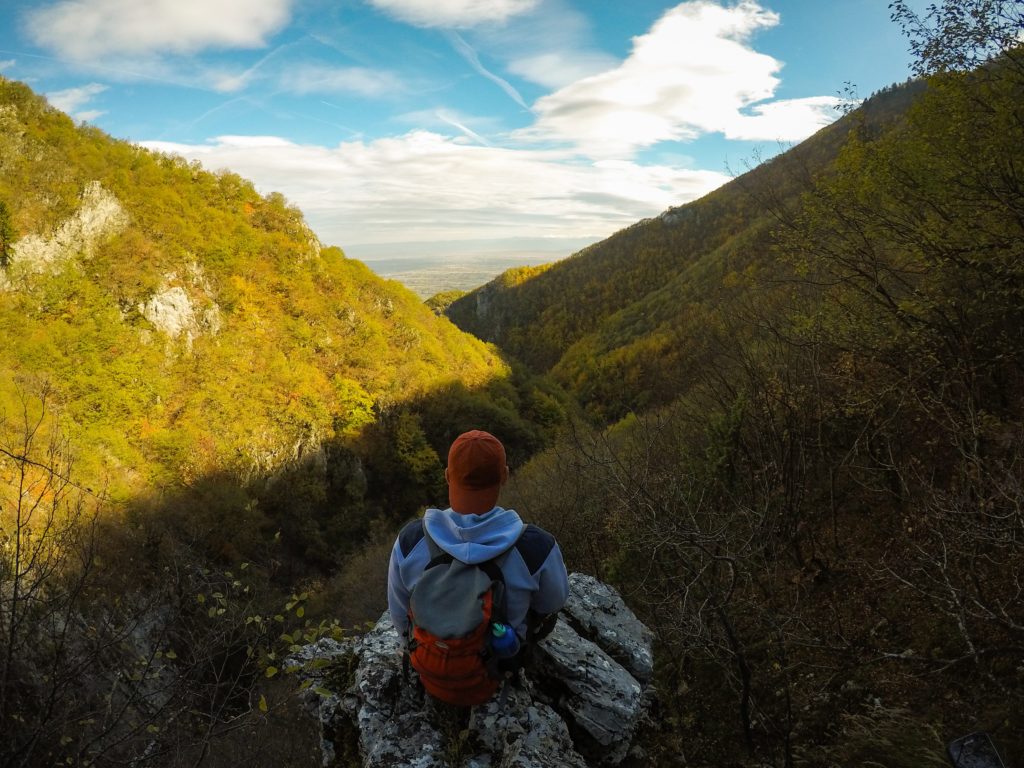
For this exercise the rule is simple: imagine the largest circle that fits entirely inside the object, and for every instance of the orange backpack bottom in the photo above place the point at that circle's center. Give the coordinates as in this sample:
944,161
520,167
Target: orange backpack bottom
453,669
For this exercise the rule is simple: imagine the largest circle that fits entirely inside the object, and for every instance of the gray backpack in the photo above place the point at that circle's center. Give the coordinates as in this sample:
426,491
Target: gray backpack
450,613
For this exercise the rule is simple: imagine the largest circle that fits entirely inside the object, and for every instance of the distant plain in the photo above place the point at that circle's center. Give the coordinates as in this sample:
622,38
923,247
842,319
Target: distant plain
427,277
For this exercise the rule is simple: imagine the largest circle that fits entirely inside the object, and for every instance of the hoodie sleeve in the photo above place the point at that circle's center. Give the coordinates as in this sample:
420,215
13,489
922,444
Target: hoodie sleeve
554,584
408,558
398,594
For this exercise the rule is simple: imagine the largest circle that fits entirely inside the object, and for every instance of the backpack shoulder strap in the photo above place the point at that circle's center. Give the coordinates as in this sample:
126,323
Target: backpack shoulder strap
493,570
437,555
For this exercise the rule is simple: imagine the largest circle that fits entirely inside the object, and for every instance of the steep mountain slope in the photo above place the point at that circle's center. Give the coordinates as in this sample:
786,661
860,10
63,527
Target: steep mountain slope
816,499
619,314
181,321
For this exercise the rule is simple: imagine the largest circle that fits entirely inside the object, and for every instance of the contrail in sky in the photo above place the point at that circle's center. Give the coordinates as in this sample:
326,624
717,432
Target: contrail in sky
444,117
466,51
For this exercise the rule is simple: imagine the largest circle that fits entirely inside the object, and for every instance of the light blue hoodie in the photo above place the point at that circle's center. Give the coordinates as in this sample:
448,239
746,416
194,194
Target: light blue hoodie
535,575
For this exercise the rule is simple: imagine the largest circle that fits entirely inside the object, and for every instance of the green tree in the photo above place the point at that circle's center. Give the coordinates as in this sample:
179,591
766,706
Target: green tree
960,35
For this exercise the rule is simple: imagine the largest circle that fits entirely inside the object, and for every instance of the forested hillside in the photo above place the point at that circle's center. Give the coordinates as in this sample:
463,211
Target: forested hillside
804,458
134,282
183,323
192,386
620,322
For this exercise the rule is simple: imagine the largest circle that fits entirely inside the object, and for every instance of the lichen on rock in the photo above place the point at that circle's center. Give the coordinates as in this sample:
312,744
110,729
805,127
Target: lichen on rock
596,610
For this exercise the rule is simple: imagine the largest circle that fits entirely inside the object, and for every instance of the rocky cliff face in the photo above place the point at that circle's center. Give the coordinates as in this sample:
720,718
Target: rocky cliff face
577,704
183,306
99,215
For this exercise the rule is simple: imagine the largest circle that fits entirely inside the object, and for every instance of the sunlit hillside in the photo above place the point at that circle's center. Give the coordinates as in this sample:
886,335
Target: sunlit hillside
184,323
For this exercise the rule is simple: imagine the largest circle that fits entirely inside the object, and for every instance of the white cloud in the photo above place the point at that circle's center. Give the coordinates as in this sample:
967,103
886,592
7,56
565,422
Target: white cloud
786,120
85,30
89,115
426,187
6,64
466,131
556,69
304,79
227,82
694,72
454,13
70,99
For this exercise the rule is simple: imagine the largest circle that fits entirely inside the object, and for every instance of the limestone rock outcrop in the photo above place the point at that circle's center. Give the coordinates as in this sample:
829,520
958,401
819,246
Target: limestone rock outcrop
574,706
99,215
174,310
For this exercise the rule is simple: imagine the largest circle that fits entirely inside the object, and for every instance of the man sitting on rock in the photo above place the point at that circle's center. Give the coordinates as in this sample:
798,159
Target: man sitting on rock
486,566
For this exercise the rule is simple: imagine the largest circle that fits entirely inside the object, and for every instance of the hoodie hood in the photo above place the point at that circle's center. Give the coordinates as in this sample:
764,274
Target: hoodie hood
473,538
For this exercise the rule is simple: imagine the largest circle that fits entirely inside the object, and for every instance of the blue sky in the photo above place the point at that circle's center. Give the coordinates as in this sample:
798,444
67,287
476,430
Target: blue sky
447,129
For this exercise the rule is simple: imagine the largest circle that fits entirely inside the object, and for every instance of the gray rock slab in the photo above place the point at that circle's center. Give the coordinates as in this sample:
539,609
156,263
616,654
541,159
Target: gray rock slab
575,706
598,612
594,692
